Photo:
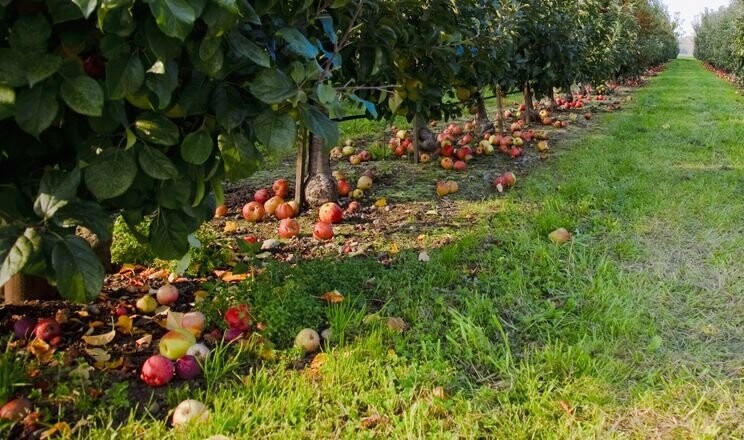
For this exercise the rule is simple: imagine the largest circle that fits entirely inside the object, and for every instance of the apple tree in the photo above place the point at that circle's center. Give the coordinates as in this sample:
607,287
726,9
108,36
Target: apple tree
143,109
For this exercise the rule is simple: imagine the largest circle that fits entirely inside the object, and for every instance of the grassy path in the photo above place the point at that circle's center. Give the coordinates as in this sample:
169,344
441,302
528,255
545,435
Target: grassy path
633,330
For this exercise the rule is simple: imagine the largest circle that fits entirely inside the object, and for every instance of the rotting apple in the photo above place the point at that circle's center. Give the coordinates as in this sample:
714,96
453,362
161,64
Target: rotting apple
188,411
343,188
157,371
289,228
175,343
194,322
281,188
199,351
220,211
308,340
47,329
253,212
446,163
559,236
16,409
239,317
353,207
330,212
323,231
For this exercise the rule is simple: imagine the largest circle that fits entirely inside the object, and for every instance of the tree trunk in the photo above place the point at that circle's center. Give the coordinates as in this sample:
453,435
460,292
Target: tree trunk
569,94
20,288
500,101
528,110
301,167
482,123
551,99
424,139
320,186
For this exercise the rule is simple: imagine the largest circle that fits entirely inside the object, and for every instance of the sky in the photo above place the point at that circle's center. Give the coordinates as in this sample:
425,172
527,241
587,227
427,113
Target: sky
688,9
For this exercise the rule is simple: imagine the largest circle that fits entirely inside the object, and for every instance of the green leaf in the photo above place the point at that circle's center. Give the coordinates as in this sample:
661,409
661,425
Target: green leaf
229,107
84,95
326,93
87,214
197,147
112,118
7,102
17,246
298,43
56,190
111,173
174,17
194,98
30,34
209,47
10,197
63,11
36,108
157,129
273,86
124,75
78,271
276,131
319,124
116,18
40,67
247,50
239,155
175,194
156,164
86,6
12,71
169,234
161,45
163,84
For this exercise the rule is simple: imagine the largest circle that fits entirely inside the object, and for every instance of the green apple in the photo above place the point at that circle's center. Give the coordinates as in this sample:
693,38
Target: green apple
176,343
146,304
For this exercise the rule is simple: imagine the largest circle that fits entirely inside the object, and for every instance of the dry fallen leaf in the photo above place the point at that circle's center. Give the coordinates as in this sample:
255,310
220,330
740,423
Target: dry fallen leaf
333,297
566,407
127,268
173,320
394,249
423,256
373,420
230,227
111,365
60,428
381,203
230,277
125,324
41,350
158,275
98,354
313,371
397,324
101,339
438,392
144,341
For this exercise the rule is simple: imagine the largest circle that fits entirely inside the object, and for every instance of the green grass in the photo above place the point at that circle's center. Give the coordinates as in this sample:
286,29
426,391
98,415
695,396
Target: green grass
633,330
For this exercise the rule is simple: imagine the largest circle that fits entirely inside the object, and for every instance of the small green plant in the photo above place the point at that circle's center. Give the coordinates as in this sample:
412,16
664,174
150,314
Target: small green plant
126,248
345,319
11,374
224,361
379,151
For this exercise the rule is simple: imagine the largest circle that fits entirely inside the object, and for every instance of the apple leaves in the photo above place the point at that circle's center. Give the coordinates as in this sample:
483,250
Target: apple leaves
17,246
78,271
276,131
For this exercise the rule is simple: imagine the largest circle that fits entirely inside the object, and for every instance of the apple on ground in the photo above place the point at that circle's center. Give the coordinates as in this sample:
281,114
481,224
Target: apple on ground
560,236
284,211
357,193
271,205
199,351
289,228
157,371
220,211
331,213
193,322
353,207
364,183
146,304
47,329
253,212
355,159
167,294
281,188
442,189
308,340
446,163
343,188
323,231
24,328
175,343
460,165
262,195
16,409
187,367
347,150
188,411
239,317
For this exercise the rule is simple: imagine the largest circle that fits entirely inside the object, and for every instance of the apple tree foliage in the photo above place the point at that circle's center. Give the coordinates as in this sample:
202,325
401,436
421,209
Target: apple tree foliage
144,108
719,38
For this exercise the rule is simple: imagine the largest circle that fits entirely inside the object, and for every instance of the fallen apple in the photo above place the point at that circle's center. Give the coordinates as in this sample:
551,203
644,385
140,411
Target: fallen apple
239,317
175,343
284,211
357,194
364,183
281,188
343,188
308,340
189,411
452,186
47,329
193,322
199,351
442,189
167,294
157,371
220,211
16,409
24,328
187,367
559,236
353,207
460,165
146,304
348,151
323,231
261,195
232,334
271,205
331,213
289,228
253,211
446,163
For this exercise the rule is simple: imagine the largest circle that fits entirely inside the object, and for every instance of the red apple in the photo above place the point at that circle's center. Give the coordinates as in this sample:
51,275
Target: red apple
47,329
24,328
281,188
331,213
446,163
167,294
288,228
253,212
353,207
220,211
323,231
343,188
239,317
284,211
16,409
262,195
465,153
250,239
193,322
271,205
460,165
365,155
157,371
232,334
187,367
